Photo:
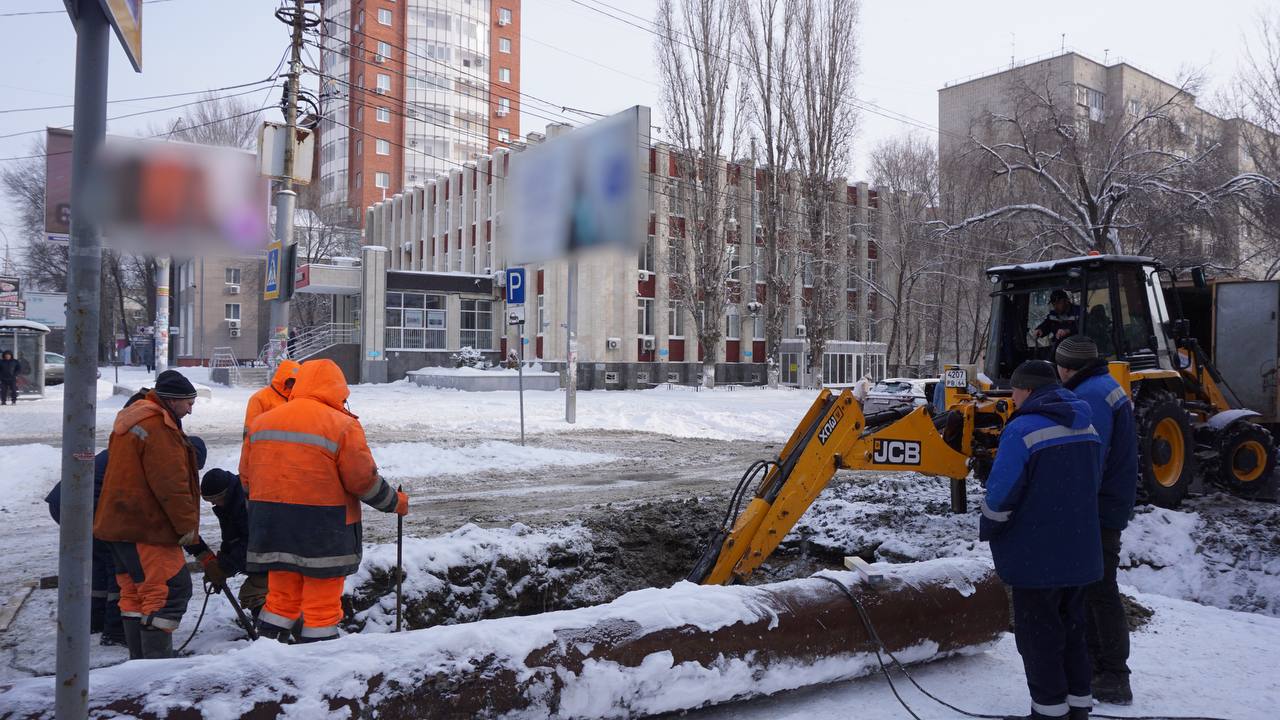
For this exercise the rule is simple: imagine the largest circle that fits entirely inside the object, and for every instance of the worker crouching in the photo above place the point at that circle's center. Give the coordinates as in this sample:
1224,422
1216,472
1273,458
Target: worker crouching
1040,515
149,508
307,468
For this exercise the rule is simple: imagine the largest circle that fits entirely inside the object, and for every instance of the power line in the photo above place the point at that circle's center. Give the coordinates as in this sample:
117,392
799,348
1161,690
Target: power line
448,66
253,89
139,99
64,12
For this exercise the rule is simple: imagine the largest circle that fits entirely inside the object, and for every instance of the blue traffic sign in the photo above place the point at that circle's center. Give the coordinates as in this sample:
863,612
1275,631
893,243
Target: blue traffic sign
271,287
515,286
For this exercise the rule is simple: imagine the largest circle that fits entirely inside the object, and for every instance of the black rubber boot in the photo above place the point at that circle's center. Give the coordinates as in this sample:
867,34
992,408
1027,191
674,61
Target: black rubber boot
1078,713
132,636
1113,689
274,632
156,644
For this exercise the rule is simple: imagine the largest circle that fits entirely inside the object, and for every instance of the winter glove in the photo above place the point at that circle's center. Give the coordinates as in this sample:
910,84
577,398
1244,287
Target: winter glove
212,570
402,503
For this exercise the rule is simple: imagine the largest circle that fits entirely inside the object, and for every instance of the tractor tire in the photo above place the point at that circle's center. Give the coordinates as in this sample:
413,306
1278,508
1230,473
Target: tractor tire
1246,459
1166,448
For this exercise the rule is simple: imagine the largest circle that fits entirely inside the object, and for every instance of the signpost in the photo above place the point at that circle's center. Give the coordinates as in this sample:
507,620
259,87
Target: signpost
271,287
515,316
92,19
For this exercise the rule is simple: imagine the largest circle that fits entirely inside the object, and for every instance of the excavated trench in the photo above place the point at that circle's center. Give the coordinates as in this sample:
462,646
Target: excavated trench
615,549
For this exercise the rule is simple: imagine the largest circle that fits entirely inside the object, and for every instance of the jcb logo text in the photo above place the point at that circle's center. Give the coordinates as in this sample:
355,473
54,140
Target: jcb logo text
896,452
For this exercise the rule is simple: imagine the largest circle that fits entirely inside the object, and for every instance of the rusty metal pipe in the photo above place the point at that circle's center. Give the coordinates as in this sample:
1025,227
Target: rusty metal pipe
648,652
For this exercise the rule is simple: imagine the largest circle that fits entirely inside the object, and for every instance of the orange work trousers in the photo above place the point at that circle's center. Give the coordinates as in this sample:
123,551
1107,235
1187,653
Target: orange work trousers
318,601
154,583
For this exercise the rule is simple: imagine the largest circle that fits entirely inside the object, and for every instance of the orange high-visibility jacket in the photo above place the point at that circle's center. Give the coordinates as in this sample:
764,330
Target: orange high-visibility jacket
308,467
273,395
151,491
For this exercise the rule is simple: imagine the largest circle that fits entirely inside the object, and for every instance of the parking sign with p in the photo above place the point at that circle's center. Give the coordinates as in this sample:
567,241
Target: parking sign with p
515,286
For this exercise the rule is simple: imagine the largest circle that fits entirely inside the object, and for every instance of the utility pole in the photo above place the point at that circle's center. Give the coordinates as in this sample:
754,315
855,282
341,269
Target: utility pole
79,400
571,346
286,198
160,333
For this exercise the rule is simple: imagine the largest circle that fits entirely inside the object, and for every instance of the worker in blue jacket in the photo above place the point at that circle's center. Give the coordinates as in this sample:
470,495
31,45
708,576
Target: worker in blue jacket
1086,374
1040,515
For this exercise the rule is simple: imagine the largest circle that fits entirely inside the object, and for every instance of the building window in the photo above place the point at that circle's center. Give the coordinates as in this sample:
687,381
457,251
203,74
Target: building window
359,114
675,256
757,327
675,320
1135,107
384,51
757,263
731,265
872,268
232,276
542,313
1092,99
383,147
806,270
477,324
382,180
359,180
646,254
504,75
384,16
504,135
504,16
851,277
415,321
384,83
504,106
644,316
359,147
732,323
504,45
384,115
233,311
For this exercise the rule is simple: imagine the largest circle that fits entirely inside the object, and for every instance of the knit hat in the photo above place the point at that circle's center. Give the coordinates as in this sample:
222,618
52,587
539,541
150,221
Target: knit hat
1075,351
216,482
201,451
1033,375
1059,294
175,386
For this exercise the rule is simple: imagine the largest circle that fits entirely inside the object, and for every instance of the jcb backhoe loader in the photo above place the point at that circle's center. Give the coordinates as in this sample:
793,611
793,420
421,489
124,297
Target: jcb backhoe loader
1188,421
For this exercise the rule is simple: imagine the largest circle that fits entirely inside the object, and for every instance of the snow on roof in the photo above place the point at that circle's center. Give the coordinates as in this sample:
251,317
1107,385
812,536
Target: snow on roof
23,325
1049,265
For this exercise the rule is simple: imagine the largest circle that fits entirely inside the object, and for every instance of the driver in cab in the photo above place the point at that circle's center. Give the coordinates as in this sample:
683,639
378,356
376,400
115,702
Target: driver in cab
1062,320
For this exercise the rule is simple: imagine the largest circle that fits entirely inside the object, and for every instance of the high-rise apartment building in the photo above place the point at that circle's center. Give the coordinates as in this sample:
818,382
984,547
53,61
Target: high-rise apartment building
412,89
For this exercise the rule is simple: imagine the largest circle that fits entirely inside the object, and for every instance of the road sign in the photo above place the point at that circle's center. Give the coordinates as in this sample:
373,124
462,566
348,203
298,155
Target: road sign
515,286
271,288
515,314
125,17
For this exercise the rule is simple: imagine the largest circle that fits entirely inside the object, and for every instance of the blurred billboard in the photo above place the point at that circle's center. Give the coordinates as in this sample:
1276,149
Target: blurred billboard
580,191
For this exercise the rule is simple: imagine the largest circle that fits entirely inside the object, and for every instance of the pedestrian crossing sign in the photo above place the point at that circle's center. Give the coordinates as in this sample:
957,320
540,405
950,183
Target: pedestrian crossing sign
271,287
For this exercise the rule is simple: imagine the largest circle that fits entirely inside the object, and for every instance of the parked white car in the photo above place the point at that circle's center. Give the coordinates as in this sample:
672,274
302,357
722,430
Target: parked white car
901,391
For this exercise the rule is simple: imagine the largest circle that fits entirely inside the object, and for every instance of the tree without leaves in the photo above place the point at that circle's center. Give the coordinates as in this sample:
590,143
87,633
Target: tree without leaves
1125,184
1255,97
216,121
818,106
766,31
700,102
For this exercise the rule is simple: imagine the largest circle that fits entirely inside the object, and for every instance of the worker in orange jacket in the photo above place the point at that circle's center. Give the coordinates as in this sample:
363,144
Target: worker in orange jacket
149,508
307,468
275,394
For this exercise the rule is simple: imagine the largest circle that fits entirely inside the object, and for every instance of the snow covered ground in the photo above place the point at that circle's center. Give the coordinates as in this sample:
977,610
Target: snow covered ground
458,456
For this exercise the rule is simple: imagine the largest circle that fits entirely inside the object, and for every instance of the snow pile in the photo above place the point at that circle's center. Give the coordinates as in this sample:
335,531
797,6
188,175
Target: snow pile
469,574
470,371
1196,557
30,472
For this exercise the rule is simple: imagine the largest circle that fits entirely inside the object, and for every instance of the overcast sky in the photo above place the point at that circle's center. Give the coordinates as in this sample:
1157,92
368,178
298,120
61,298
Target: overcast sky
579,58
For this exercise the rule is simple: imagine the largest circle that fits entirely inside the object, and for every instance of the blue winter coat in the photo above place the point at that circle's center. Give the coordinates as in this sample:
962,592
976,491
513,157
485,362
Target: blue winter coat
1040,513
1113,420
233,520
54,498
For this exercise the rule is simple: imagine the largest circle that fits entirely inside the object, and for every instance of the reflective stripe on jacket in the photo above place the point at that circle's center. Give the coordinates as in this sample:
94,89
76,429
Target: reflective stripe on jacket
307,467
151,490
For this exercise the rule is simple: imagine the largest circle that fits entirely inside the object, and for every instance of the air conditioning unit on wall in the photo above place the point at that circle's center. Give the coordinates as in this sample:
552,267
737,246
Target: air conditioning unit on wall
235,332
614,343
650,344
233,289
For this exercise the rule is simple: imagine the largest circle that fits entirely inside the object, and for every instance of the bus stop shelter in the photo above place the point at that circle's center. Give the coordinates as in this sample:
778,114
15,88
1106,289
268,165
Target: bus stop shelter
25,339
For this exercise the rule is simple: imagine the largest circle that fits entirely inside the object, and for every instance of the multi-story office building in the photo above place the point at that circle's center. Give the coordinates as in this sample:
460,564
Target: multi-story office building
411,89
217,303
443,245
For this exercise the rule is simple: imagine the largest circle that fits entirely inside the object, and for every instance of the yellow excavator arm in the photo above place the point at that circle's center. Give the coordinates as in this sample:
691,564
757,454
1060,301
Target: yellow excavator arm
834,435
